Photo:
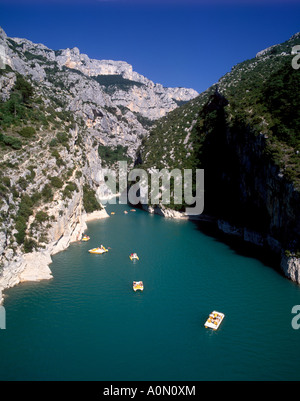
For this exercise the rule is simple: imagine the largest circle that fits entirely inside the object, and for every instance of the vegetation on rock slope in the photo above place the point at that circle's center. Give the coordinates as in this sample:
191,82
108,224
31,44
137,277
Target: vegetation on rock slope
39,163
237,130
263,94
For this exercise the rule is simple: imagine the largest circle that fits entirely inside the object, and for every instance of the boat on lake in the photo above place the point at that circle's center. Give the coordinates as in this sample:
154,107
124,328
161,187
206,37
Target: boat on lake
134,256
138,285
98,250
214,320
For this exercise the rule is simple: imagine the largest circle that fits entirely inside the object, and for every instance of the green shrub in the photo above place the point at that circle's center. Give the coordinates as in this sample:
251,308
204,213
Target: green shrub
36,197
14,192
27,132
110,155
47,193
71,186
59,161
41,217
62,138
69,189
53,143
55,154
6,181
20,226
116,82
25,210
29,245
22,182
90,202
56,182
24,88
25,207
14,143
3,190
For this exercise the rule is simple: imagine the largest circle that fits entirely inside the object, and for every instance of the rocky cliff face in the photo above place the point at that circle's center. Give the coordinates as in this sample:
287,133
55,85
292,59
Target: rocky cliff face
148,99
63,118
115,113
258,194
244,133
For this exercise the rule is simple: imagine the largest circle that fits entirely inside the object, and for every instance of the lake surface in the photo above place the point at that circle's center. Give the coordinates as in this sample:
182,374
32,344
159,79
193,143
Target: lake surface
87,323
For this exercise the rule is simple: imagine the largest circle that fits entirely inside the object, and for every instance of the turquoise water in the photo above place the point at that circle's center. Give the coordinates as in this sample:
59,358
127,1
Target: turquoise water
88,324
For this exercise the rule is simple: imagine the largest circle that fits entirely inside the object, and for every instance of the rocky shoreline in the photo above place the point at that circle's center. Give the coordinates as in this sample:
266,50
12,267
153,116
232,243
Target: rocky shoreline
34,266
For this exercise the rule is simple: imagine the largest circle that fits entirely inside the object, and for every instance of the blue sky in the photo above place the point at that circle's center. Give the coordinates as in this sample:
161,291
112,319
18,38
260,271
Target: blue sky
185,43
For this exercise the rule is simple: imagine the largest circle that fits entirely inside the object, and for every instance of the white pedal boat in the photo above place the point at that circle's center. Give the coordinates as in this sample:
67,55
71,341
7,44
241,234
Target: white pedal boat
214,320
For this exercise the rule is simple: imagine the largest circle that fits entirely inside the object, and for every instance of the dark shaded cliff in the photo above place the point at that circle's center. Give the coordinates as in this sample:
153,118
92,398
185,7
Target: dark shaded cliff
245,133
243,184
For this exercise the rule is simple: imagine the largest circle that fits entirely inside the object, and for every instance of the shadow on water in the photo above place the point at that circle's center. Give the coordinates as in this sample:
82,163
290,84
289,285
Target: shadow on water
239,246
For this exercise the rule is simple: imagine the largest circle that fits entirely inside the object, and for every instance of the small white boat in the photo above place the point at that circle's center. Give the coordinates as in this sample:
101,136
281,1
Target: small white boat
138,285
98,250
214,320
133,256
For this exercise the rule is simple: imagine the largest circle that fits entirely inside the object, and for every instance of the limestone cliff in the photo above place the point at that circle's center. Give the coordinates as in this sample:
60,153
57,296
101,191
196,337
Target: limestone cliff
61,124
244,132
148,99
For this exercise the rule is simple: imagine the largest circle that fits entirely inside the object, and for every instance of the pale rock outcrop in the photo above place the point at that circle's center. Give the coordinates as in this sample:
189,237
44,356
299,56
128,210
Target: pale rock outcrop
291,267
165,212
6,84
97,214
112,118
20,55
36,267
36,264
70,223
149,99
